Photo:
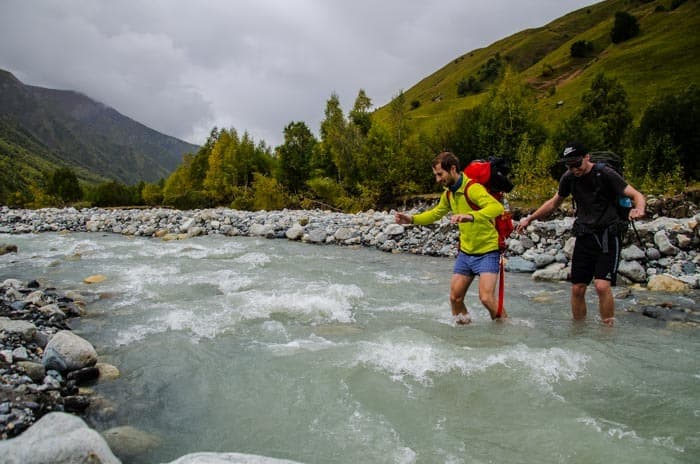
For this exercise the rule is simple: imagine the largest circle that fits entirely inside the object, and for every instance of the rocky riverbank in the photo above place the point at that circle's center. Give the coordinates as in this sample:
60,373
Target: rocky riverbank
661,254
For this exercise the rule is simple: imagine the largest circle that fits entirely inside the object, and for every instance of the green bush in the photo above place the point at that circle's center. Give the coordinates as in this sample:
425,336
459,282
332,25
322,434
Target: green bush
267,193
581,49
626,27
194,199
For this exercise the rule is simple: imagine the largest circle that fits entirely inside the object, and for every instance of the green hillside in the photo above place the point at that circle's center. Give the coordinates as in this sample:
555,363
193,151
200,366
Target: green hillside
661,60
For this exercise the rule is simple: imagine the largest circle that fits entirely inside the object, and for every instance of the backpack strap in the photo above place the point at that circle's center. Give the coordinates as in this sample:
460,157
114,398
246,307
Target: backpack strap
472,205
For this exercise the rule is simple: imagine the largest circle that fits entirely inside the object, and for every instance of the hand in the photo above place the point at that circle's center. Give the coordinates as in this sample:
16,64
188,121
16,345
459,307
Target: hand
457,218
402,218
636,213
522,224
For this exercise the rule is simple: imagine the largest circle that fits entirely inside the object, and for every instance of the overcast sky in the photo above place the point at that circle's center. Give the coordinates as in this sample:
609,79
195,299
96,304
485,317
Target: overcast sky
183,66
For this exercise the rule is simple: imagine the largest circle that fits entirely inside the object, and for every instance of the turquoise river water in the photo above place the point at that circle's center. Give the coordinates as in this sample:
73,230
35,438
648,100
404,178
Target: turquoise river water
326,354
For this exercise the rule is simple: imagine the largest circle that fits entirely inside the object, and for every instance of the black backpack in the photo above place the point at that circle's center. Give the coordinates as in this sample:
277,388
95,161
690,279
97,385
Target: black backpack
623,204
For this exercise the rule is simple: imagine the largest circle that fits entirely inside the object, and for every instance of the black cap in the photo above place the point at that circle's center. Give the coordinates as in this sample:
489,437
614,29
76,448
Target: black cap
574,150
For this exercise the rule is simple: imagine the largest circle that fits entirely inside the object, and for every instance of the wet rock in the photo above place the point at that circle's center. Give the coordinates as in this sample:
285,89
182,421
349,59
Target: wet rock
84,375
67,351
6,248
129,442
666,283
57,437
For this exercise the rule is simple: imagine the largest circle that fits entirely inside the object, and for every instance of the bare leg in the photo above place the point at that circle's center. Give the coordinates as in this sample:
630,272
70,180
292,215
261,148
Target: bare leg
458,289
606,302
487,293
578,301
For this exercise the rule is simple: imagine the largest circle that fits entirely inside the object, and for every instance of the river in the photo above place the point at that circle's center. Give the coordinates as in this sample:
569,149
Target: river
327,354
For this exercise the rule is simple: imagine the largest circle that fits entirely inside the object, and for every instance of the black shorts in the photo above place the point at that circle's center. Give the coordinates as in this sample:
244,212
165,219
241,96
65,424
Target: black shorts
589,262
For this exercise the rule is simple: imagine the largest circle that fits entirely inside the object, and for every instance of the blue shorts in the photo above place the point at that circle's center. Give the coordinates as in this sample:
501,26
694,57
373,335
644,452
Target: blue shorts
470,265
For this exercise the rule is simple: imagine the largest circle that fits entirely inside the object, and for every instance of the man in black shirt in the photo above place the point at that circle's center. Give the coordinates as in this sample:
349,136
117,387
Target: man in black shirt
596,189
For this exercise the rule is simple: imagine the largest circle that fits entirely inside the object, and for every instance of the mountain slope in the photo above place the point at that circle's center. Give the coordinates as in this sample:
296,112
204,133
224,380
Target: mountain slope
661,60
67,128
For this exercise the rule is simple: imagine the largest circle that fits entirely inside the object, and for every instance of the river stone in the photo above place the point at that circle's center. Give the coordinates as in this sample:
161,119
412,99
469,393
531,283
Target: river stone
228,458
24,329
518,264
553,272
344,233
664,244
67,351
94,279
57,438
633,271
107,371
394,229
295,232
34,370
5,248
315,236
666,283
632,252
129,442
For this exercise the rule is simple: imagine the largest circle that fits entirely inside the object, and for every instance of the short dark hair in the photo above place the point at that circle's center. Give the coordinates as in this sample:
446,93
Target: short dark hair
446,160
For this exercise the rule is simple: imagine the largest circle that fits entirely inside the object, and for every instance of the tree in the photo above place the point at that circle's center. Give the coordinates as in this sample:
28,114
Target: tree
339,141
359,116
668,135
604,119
295,156
63,184
626,27
398,118
498,127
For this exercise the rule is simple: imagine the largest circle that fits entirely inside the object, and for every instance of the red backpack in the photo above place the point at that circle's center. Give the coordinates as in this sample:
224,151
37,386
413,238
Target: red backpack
492,174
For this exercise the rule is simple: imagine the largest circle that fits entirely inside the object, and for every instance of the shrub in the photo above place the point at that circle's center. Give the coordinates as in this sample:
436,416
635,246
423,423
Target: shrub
581,49
267,193
194,199
626,27
63,184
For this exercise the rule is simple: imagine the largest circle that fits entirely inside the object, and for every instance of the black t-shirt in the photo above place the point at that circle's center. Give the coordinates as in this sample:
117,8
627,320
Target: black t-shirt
594,198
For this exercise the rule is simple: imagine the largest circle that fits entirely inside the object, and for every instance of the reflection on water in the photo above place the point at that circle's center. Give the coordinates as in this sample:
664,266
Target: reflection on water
324,354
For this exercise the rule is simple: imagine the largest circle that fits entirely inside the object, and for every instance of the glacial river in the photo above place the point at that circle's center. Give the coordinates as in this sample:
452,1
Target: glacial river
326,354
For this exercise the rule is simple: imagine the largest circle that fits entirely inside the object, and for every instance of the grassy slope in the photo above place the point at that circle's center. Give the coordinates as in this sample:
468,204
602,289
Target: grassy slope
663,59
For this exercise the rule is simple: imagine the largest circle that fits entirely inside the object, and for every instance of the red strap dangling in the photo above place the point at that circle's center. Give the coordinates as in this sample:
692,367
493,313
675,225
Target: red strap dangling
501,286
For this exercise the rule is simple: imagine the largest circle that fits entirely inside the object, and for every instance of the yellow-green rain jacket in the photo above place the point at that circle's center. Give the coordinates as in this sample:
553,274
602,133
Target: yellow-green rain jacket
475,238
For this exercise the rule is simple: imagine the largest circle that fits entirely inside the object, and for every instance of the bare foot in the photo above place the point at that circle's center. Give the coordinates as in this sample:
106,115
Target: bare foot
462,319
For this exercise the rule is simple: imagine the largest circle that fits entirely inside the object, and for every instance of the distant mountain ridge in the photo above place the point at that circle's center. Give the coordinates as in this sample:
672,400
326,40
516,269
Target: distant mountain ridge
70,129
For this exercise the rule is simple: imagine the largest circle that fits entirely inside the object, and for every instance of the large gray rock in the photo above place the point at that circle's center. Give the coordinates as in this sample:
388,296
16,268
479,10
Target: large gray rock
67,351
24,329
228,458
553,272
57,438
633,271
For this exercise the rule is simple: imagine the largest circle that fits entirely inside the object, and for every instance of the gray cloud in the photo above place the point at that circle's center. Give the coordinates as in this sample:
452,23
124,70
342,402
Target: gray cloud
182,67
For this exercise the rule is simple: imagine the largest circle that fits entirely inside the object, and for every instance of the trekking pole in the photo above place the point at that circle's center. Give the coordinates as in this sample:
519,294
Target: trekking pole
636,232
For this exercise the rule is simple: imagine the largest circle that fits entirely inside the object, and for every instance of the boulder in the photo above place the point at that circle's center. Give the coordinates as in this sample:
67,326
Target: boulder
57,438
666,283
67,351
228,458
24,329
129,442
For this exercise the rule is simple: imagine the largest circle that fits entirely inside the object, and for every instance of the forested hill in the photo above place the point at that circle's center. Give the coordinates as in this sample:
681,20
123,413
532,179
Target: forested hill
559,61
43,129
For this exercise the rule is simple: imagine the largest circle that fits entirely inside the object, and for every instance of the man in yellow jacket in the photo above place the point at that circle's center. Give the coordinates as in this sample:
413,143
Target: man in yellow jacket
478,238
